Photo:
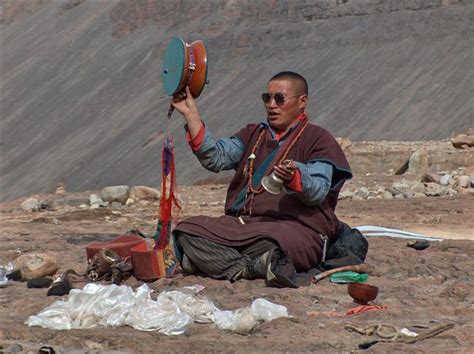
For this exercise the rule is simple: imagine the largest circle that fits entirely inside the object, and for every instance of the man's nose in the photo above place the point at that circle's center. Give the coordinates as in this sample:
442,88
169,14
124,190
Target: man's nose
272,102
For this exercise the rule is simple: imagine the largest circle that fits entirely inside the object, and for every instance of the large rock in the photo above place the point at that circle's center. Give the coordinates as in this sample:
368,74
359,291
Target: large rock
418,163
463,141
35,265
138,193
464,182
435,190
30,204
115,194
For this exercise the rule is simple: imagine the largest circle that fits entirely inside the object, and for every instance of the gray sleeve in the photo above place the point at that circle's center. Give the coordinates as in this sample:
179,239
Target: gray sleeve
219,155
315,180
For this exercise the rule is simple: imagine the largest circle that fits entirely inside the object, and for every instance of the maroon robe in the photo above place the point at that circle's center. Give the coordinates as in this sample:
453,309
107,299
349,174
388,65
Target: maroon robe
296,227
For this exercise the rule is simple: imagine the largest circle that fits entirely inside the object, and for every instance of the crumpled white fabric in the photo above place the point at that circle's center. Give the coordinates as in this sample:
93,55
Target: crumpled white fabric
113,306
171,314
243,320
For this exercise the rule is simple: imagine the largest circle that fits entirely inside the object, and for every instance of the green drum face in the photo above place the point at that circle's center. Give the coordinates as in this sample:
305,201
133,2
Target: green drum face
174,62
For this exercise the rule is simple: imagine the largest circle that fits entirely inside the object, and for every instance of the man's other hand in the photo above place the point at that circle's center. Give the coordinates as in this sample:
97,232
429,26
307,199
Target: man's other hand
285,170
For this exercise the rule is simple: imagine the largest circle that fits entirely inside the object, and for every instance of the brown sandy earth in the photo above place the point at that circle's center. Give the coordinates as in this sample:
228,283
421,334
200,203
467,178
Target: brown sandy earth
420,288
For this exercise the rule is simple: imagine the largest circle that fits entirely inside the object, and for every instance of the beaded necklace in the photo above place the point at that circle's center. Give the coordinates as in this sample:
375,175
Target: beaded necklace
253,156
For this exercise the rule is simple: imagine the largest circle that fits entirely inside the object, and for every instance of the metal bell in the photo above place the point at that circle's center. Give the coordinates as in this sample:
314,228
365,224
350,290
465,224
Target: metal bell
272,184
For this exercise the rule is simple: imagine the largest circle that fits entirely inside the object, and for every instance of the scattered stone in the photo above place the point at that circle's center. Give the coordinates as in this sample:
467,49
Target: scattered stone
130,201
463,141
60,188
363,192
115,194
95,199
31,204
393,191
346,194
435,190
417,187
116,205
418,163
464,182
387,195
445,180
419,195
35,265
431,177
400,186
399,196
138,193
468,191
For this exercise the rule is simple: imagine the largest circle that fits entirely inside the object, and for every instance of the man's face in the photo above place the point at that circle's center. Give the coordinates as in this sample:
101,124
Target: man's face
280,116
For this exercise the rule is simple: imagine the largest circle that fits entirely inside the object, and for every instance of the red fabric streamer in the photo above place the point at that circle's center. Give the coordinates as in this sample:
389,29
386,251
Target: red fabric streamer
168,195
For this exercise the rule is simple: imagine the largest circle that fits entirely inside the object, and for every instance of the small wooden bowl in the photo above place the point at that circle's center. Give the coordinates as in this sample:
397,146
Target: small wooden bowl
362,293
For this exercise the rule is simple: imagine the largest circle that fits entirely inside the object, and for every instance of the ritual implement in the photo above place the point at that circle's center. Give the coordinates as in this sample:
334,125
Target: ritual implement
183,65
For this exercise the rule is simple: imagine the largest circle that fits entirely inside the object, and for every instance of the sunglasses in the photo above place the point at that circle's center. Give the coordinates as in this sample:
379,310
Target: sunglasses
278,97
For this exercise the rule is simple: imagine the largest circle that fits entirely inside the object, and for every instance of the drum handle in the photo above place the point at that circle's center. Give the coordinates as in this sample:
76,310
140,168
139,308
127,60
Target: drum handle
170,111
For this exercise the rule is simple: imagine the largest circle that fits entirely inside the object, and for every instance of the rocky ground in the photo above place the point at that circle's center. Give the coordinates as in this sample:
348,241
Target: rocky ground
421,289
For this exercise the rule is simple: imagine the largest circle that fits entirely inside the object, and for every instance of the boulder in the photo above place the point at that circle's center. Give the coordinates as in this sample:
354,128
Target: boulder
418,163
445,180
435,190
417,187
431,177
115,194
35,265
31,204
138,193
363,192
463,141
464,182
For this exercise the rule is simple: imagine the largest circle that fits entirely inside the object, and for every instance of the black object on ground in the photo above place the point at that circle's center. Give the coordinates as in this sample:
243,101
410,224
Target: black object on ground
15,275
44,282
419,245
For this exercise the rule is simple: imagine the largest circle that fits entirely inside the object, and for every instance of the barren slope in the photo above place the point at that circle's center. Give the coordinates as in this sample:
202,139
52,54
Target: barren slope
81,99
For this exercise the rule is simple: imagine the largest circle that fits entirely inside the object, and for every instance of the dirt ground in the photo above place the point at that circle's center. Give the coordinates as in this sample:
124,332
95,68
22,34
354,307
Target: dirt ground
421,289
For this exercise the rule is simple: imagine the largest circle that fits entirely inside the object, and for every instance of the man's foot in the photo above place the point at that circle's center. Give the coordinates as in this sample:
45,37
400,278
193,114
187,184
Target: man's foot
259,267
188,266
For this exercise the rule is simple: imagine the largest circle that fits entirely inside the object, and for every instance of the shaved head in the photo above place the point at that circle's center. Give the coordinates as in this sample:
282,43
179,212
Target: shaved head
298,82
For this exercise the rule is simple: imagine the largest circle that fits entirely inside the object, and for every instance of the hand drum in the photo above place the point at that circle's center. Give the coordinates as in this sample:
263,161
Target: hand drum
184,65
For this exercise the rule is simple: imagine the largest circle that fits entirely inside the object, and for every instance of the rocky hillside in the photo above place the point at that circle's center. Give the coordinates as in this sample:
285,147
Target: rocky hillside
82,103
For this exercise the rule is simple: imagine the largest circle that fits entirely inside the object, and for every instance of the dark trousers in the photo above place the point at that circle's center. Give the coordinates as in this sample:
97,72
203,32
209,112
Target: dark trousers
219,261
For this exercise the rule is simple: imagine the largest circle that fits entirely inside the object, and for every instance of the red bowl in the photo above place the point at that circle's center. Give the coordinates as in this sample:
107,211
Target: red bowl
362,293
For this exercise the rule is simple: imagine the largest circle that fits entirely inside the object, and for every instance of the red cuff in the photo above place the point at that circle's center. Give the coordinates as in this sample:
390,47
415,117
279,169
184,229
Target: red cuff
295,183
198,139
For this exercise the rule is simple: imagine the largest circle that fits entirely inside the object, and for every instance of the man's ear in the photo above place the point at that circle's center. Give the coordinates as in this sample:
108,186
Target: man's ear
303,102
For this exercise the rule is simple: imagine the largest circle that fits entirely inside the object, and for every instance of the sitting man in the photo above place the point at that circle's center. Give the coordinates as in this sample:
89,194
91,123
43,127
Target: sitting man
264,235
